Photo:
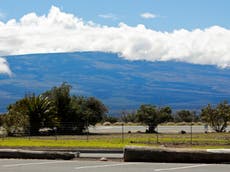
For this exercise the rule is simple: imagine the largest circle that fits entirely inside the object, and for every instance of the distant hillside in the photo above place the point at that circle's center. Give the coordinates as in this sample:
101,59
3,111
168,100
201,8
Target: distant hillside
119,83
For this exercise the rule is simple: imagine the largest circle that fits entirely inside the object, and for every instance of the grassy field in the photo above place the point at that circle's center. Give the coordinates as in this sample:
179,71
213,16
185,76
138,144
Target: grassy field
210,140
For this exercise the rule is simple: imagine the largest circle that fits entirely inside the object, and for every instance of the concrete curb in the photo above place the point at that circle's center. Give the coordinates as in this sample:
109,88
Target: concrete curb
145,154
118,151
28,154
81,150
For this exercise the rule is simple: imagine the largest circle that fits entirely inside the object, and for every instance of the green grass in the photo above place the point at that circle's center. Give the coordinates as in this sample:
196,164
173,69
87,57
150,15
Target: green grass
67,142
210,140
20,142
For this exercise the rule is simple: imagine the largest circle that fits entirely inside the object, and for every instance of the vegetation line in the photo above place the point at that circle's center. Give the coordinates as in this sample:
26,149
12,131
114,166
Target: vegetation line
57,112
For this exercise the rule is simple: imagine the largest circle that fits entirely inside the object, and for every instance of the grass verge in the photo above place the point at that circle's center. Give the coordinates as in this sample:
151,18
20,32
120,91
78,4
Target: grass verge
109,141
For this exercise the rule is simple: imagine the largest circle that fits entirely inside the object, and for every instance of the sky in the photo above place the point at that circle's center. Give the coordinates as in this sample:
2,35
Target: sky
193,31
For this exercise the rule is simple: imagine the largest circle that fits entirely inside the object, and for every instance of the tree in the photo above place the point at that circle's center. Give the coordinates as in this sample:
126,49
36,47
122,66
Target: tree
217,117
152,116
61,98
38,110
57,108
15,123
75,112
109,118
85,112
184,116
2,119
96,110
129,116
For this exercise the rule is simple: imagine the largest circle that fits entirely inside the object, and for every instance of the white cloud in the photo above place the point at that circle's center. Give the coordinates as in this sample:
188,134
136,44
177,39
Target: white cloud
148,15
62,32
108,16
4,68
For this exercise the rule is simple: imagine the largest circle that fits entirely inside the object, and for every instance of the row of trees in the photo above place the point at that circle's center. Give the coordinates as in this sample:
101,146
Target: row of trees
55,109
152,116
177,116
216,117
71,114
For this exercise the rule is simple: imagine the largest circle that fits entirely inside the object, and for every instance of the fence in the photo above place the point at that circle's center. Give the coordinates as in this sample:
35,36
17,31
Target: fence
198,135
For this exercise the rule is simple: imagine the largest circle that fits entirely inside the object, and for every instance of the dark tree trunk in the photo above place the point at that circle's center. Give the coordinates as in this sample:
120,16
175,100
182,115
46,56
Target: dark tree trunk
34,131
151,129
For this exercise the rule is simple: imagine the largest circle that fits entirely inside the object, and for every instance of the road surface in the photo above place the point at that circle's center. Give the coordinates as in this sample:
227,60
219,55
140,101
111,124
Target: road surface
161,129
17,165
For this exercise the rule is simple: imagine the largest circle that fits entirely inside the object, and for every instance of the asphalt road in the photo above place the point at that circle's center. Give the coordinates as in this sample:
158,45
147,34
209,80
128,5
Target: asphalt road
161,129
17,165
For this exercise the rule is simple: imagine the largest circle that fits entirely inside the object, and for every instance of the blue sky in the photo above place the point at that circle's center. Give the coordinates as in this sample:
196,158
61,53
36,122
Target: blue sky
170,14
192,31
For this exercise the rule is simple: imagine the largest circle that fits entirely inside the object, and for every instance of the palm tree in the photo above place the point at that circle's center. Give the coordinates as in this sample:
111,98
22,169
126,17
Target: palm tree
39,110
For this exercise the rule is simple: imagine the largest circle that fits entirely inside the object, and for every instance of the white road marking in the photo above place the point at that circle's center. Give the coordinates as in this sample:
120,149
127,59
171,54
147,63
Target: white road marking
102,166
35,163
181,168
218,150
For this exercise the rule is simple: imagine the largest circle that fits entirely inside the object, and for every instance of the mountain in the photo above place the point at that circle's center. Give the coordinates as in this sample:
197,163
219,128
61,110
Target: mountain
119,83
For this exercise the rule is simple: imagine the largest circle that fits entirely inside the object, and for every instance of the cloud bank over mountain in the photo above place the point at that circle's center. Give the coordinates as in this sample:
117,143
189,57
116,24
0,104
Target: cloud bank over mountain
62,32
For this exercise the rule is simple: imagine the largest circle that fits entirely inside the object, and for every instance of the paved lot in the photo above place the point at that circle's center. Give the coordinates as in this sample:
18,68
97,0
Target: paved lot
100,155
16,165
161,129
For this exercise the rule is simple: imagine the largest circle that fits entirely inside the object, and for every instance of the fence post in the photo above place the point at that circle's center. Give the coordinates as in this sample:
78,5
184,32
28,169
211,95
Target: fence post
191,133
122,132
87,128
55,132
157,135
29,133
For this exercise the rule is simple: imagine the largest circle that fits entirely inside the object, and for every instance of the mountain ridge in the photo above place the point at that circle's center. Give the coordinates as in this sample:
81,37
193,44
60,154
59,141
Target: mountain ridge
121,84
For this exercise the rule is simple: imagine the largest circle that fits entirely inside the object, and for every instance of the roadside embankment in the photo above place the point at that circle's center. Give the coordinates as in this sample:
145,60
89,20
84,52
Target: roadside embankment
146,154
